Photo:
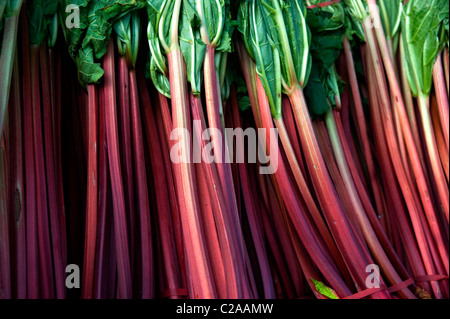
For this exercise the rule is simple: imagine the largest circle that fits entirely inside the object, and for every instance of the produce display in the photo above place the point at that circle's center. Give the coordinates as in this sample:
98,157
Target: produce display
224,149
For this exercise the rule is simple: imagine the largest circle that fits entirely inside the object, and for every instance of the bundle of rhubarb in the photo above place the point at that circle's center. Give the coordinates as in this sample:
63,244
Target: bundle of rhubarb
206,149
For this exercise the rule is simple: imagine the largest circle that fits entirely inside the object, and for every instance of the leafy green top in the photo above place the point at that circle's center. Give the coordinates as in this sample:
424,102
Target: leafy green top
89,41
421,23
277,38
390,13
42,17
128,35
157,61
191,45
328,26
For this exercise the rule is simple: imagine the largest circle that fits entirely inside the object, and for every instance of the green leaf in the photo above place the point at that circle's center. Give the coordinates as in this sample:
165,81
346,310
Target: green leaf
89,41
420,26
128,34
40,15
286,21
159,79
156,10
356,9
324,290
2,9
315,94
243,27
325,86
244,103
390,13
212,18
74,38
444,17
192,48
88,70
331,17
52,31
266,55
102,15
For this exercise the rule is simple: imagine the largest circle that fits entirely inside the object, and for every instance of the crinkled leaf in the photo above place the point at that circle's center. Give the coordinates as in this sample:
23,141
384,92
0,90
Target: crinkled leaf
330,17
354,29
74,38
325,49
226,42
88,41
420,26
324,290
88,70
102,15
390,13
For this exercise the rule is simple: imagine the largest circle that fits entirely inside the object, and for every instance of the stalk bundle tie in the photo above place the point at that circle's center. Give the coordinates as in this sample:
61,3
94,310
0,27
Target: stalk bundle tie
408,282
323,4
427,278
366,293
175,292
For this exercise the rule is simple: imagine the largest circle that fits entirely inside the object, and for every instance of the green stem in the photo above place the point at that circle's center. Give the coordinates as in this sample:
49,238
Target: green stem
410,108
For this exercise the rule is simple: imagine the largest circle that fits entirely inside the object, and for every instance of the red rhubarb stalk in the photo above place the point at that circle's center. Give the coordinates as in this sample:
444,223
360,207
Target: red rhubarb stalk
56,241
45,250
30,178
118,195
142,197
441,96
91,194
17,193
